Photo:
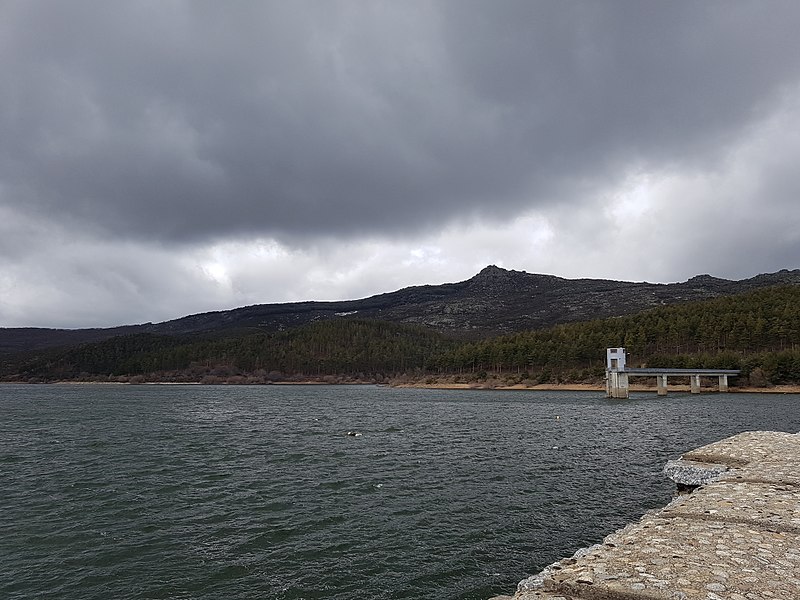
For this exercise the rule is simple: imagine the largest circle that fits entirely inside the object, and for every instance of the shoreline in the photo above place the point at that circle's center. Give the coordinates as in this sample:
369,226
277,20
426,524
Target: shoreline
593,387
731,528
542,387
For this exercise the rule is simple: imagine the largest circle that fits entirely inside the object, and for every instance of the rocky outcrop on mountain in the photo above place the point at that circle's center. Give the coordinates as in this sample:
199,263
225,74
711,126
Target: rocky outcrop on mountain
501,301
492,302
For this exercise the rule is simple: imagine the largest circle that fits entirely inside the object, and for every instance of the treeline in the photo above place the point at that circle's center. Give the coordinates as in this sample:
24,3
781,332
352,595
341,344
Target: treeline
368,349
757,332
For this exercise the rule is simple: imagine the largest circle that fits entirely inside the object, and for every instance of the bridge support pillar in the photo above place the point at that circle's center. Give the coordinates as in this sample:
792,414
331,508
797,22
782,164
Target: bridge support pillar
723,383
661,385
616,384
694,381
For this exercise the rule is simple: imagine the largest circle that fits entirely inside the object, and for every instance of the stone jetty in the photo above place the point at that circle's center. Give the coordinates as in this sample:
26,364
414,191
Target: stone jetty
733,533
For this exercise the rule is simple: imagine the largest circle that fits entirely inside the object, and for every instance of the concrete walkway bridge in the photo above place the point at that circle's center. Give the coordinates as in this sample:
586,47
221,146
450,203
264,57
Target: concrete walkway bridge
618,375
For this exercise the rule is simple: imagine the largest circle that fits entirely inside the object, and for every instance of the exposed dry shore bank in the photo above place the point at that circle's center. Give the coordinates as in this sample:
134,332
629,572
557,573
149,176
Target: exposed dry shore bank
438,385
594,387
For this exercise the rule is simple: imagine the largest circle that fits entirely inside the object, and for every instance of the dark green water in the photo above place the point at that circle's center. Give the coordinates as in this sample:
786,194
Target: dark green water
257,492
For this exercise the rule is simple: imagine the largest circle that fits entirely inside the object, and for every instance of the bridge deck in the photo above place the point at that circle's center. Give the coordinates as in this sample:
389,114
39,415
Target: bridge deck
679,372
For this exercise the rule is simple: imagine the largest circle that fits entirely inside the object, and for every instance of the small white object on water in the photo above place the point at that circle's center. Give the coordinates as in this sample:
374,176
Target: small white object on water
353,434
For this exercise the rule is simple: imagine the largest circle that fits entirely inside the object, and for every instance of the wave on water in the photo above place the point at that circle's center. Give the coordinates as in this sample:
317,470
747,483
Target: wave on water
258,492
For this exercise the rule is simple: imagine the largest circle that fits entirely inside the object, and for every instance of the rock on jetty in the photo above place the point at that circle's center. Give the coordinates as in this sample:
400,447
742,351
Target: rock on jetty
732,534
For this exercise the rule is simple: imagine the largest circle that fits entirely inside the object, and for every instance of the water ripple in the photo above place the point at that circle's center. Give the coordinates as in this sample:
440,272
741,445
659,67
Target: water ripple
208,492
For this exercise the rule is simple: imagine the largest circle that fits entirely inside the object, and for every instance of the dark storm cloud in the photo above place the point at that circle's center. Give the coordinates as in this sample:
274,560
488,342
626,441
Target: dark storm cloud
598,82
191,120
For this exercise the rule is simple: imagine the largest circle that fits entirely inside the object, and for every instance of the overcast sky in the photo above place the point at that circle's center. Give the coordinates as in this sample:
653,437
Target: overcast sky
160,158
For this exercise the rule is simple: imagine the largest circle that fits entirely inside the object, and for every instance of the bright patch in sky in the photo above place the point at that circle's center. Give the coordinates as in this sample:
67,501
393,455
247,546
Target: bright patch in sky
161,159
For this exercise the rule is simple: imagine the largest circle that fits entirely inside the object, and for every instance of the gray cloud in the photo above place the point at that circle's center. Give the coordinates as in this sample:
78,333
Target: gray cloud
133,133
180,120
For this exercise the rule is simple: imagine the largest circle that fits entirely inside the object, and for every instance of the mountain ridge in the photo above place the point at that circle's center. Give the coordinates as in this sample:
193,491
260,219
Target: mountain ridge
494,301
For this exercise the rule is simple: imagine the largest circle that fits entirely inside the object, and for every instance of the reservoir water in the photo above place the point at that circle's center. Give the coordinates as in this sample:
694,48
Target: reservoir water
259,492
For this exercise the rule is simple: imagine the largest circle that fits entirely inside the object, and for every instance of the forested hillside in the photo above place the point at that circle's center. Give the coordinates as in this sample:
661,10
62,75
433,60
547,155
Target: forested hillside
757,332
371,350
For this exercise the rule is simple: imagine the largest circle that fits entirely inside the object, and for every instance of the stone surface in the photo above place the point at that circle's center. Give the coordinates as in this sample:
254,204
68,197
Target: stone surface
786,471
681,558
736,537
691,473
537,595
748,447
766,505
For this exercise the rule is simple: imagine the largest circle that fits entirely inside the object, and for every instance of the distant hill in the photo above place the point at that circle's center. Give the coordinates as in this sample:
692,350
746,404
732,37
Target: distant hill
757,332
495,301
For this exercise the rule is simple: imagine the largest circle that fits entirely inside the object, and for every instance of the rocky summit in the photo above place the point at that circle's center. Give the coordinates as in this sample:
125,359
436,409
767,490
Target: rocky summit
494,301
